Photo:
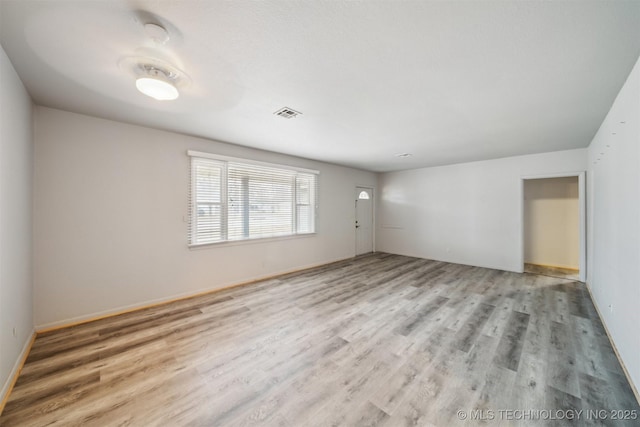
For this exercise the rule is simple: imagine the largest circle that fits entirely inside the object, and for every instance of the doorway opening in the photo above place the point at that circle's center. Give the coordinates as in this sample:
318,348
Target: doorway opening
554,226
364,220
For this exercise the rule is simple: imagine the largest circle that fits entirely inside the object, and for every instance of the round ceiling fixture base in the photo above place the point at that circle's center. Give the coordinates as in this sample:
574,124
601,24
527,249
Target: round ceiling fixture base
157,33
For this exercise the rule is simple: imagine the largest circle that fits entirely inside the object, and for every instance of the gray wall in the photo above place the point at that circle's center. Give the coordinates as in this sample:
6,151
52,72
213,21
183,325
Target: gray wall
16,170
614,222
469,213
111,219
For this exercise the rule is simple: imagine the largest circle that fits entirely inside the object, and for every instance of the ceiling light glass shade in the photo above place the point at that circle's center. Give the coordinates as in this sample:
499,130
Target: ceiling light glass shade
157,89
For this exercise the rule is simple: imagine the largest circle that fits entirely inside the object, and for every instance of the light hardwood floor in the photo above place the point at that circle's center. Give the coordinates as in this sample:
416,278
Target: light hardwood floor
377,340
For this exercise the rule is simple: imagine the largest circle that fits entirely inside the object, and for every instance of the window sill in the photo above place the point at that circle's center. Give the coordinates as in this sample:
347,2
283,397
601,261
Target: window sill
227,243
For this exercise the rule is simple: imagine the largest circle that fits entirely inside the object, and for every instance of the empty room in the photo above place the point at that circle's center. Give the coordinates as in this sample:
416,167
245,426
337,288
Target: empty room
319,213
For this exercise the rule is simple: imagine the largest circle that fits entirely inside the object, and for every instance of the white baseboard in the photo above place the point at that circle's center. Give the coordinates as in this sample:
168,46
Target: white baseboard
449,261
15,371
613,344
45,327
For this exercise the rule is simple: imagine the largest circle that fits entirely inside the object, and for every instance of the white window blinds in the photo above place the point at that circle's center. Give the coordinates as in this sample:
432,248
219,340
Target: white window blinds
305,202
233,199
207,201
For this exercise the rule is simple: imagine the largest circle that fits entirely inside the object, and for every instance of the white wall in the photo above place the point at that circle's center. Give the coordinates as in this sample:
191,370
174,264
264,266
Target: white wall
614,222
110,229
468,213
16,170
552,222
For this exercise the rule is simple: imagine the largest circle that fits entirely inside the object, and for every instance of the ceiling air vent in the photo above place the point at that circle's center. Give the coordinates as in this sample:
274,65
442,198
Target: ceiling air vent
287,113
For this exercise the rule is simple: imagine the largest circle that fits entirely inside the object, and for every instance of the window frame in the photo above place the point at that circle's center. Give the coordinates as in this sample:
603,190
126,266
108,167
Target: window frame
224,202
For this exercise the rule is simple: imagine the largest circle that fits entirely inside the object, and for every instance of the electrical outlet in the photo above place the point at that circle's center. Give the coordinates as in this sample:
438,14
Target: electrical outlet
15,333
611,308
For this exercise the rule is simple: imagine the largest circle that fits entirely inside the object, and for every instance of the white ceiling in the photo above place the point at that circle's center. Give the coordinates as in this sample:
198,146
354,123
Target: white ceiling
448,82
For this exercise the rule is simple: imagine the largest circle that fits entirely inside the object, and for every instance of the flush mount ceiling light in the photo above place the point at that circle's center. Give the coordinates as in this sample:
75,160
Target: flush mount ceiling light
157,84
154,77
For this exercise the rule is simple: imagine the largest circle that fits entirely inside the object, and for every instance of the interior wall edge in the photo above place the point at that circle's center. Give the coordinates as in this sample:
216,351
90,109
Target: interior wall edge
17,112
613,225
7,387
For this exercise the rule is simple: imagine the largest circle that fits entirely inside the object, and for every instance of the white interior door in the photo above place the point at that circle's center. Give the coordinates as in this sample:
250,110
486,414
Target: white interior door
364,220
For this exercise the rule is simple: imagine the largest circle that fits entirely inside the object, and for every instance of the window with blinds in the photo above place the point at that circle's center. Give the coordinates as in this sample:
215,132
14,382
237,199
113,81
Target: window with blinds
233,199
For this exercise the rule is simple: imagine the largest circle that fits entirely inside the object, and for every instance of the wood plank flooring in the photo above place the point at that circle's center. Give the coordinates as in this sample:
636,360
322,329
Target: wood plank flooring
378,340
558,272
